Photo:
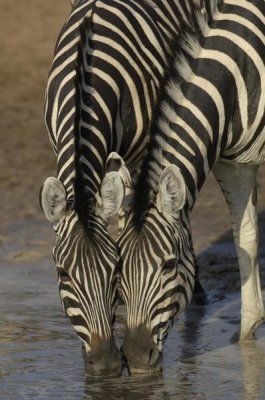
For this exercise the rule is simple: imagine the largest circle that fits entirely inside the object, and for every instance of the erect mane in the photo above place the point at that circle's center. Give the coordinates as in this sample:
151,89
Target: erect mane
186,47
82,200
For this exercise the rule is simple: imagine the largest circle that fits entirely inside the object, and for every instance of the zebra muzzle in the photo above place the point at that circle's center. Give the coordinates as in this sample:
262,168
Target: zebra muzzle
140,353
104,359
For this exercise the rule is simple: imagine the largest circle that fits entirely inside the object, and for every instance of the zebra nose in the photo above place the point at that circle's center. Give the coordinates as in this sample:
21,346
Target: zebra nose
140,353
103,359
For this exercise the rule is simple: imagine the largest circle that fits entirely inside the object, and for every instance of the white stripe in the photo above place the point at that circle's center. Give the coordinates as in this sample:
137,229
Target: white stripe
88,164
153,60
179,98
93,149
74,312
65,166
248,6
191,168
166,129
232,67
101,102
65,100
76,25
213,92
133,90
68,116
152,39
65,294
70,142
133,64
195,137
243,21
97,133
81,329
256,59
54,113
67,47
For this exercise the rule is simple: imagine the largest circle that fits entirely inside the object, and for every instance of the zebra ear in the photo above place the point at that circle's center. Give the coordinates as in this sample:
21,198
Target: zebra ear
116,163
172,191
53,199
112,194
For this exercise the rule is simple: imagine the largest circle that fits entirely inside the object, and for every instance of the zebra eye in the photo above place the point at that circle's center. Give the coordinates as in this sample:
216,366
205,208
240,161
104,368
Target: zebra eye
64,277
170,264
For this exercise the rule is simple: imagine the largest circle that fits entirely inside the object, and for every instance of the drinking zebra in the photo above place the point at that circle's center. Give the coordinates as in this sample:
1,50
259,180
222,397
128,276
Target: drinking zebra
101,96
211,117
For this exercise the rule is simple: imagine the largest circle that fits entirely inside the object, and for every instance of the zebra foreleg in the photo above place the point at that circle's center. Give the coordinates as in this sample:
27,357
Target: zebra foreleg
238,183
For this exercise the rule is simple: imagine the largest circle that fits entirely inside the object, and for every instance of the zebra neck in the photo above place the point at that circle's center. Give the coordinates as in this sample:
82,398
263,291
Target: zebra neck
204,110
192,130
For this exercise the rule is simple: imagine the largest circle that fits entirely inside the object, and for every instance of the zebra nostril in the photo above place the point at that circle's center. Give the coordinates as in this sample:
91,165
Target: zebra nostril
150,356
154,356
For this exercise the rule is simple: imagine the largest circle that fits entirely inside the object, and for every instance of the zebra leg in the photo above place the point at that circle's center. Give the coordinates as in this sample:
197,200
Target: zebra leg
238,183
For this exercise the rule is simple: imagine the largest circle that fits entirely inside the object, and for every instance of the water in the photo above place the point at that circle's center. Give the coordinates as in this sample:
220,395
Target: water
40,355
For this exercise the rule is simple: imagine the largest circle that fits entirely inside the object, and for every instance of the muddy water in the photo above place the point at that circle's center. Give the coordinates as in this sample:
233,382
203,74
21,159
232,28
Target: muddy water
40,355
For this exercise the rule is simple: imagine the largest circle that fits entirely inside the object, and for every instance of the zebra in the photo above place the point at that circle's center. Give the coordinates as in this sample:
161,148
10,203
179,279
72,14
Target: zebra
110,60
210,118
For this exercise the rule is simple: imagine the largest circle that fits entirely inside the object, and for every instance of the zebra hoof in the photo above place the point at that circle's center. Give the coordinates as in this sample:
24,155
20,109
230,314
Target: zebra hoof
238,338
247,334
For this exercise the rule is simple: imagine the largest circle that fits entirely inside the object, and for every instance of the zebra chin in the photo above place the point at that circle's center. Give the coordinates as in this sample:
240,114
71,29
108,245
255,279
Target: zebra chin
140,353
104,359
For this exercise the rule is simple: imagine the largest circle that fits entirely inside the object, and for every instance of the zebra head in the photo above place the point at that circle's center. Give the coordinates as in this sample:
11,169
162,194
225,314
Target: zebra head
157,274
86,257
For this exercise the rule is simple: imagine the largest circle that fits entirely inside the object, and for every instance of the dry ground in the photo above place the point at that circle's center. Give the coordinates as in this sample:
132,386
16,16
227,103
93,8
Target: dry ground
28,30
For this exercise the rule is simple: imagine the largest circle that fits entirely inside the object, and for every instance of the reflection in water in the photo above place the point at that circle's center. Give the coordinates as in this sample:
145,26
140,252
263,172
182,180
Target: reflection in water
129,388
253,371
192,330
190,336
40,355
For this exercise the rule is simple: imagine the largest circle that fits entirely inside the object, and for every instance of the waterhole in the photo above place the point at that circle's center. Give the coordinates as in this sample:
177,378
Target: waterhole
40,355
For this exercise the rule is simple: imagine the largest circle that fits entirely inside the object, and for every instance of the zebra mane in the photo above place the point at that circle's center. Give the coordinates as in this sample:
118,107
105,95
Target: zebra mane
187,46
81,201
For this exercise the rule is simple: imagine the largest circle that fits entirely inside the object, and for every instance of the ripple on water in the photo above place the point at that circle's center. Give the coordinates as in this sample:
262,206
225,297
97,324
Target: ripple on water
40,355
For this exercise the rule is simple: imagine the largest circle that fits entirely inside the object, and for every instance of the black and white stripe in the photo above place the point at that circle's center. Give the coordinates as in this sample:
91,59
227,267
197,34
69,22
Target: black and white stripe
212,110
129,46
87,289
110,59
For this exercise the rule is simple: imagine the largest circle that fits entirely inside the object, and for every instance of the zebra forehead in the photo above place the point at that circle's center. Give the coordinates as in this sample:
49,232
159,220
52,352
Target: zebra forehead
155,249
